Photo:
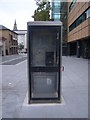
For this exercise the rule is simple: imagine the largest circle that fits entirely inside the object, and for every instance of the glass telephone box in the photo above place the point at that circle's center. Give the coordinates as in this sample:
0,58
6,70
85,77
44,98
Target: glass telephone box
44,61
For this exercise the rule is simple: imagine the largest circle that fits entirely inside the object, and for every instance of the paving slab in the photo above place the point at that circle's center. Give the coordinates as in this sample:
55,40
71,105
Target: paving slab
74,91
14,88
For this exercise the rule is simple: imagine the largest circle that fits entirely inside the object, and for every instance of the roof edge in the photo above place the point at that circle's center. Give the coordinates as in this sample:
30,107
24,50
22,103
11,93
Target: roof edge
41,23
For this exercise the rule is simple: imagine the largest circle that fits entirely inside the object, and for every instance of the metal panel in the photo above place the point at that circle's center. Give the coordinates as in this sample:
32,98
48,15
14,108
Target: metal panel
45,23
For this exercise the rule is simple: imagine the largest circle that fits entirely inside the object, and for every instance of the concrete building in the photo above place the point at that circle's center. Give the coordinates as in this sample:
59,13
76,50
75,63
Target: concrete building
79,29
22,36
9,41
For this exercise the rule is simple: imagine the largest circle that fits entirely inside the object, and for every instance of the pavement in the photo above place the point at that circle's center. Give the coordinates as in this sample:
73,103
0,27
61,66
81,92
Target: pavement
74,92
0,88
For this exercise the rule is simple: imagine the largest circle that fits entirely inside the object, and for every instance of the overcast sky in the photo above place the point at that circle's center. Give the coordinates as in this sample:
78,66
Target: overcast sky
21,10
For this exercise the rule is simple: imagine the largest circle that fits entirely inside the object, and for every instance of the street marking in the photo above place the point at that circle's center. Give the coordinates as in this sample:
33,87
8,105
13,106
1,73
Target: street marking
20,62
11,60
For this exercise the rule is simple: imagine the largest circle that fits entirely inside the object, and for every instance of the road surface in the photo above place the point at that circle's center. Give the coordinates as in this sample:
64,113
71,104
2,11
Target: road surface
13,59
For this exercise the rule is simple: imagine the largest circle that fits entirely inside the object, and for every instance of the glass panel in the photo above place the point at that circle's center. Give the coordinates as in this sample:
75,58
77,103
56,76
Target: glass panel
84,17
57,4
88,13
56,16
44,48
72,5
44,85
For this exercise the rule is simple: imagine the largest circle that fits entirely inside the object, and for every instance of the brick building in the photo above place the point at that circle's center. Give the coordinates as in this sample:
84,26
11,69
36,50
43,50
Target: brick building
79,29
11,40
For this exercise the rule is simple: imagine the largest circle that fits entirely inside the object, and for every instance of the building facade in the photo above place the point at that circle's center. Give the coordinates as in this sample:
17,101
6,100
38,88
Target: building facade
3,46
79,29
55,14
11,41
22,37
59,13
63,19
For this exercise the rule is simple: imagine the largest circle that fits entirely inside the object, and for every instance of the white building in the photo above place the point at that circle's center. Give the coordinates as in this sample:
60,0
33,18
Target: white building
22,36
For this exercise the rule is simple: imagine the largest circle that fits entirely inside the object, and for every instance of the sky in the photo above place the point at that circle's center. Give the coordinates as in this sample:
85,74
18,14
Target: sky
21,10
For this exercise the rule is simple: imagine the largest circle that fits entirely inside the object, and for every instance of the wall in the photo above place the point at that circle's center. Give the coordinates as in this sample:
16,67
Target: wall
81,31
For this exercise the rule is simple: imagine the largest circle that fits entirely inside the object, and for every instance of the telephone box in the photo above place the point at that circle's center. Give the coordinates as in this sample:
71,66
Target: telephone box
44,61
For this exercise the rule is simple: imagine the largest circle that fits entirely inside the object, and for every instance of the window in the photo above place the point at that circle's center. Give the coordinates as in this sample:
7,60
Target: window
88,13
80,19
56,16
56,10
72,5
84,17
57,4
72,26
11,37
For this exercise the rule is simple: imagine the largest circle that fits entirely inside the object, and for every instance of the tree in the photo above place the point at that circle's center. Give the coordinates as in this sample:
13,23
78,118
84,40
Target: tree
21,46
42,13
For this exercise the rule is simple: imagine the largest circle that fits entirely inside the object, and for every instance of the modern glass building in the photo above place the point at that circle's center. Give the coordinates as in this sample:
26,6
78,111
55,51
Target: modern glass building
59,13
56,10
63,19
